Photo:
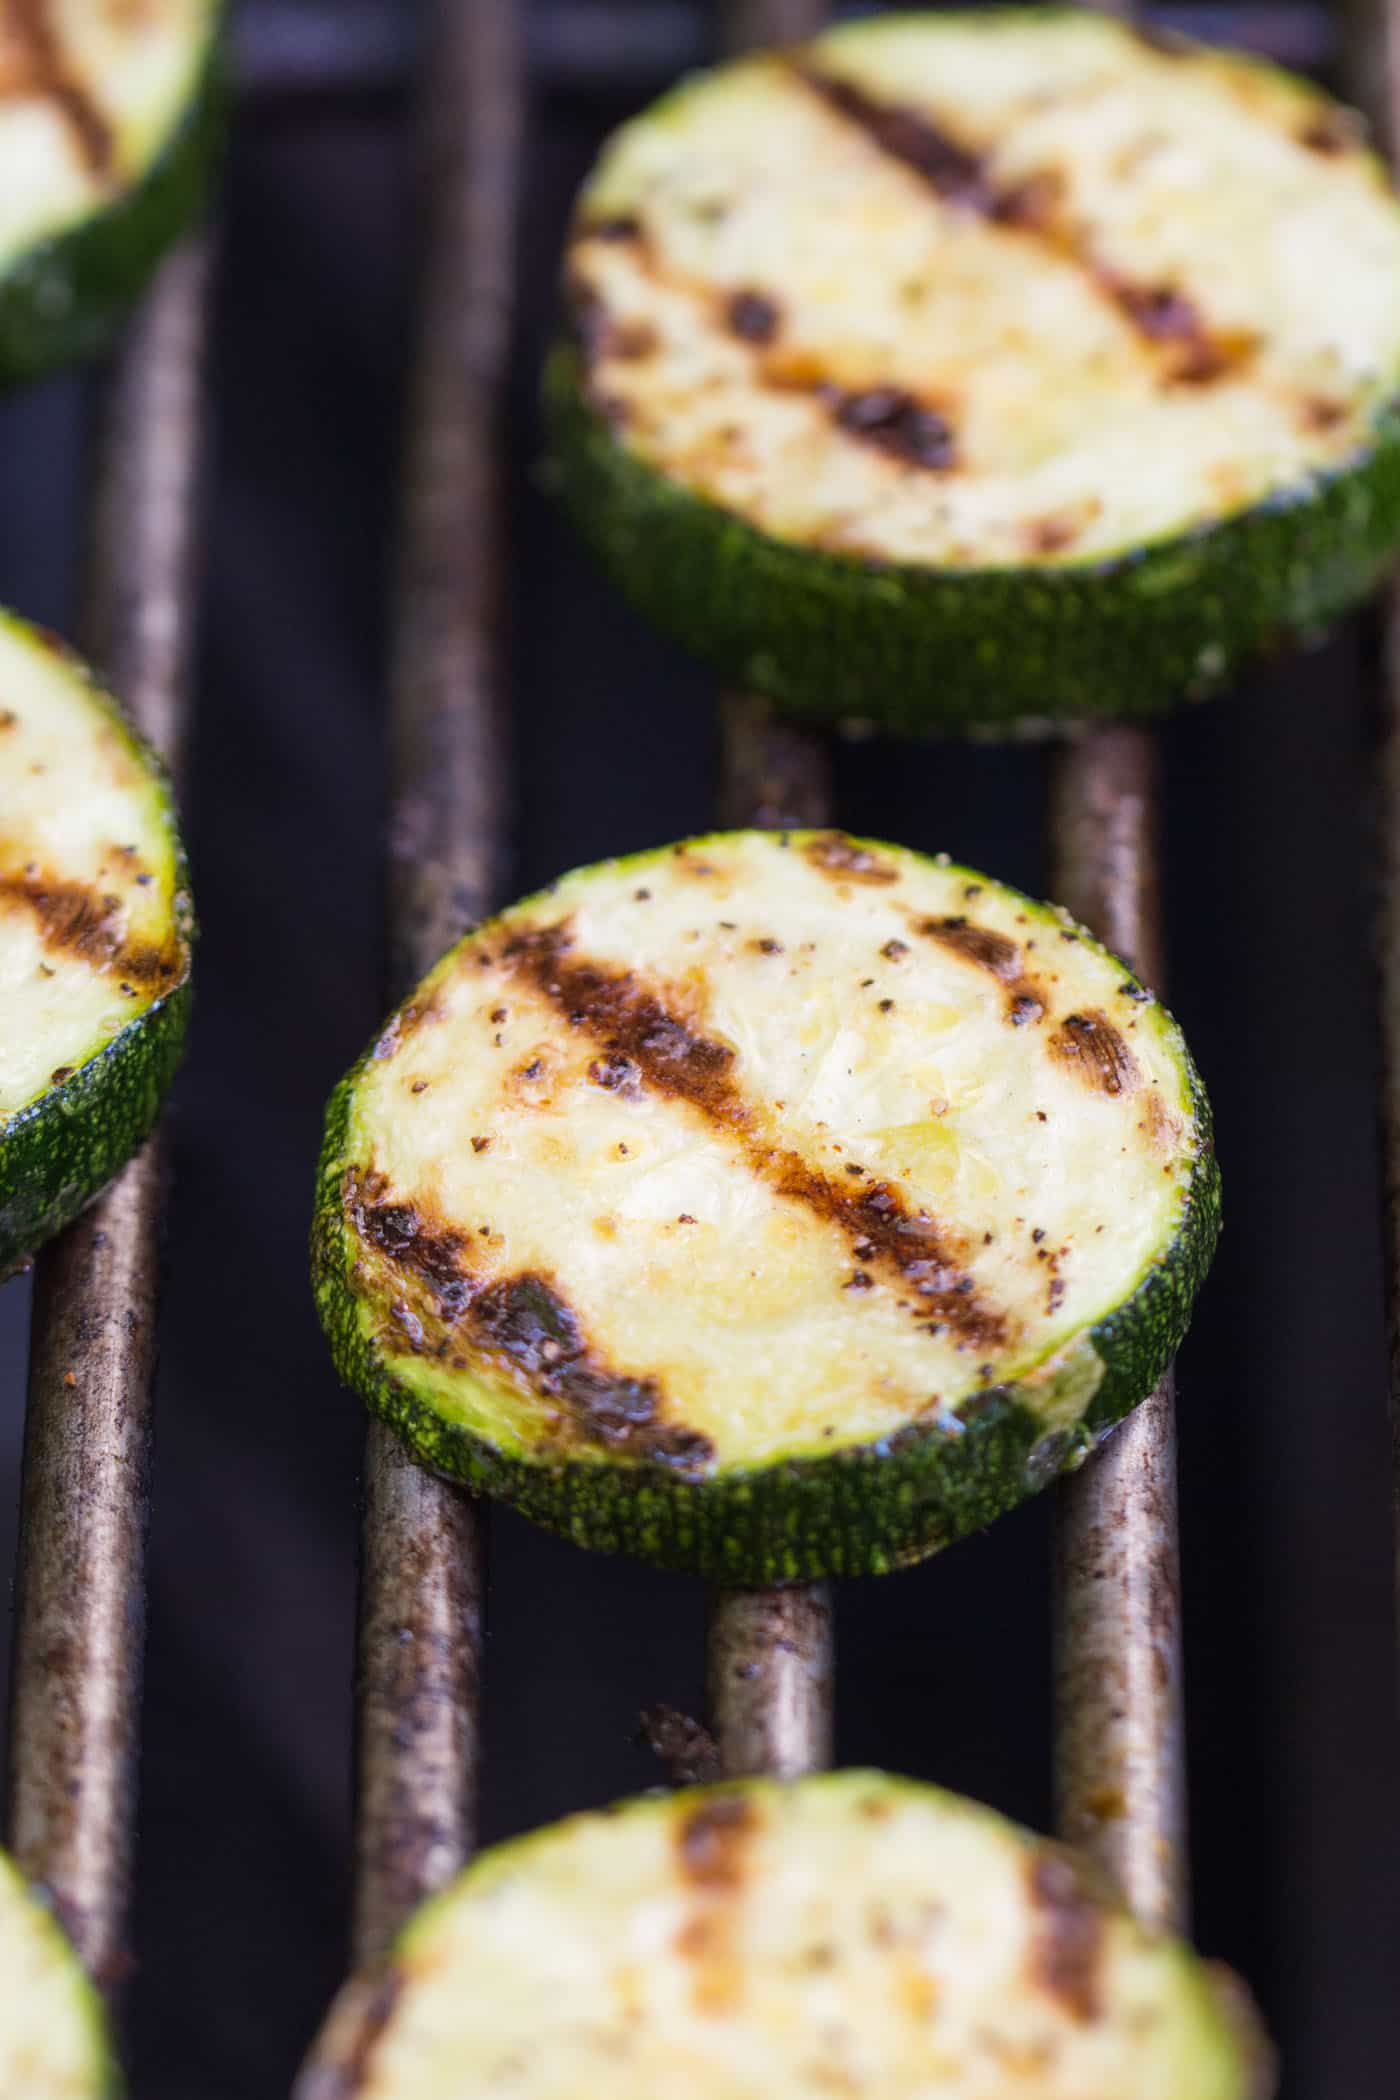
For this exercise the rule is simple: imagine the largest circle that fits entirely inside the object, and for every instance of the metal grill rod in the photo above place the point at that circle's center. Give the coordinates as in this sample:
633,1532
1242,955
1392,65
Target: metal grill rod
1120,1750
81,1616
424,1541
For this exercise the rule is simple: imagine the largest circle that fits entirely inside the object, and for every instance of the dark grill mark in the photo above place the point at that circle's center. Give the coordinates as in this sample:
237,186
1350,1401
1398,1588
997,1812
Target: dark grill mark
753,317
524,1320
976,944
1092,1047
629,1021
1068,1944
909,136
897,423
1032,204
616,1075
75,920
631,342
1161,313
960,176
999,957
626,226
1321,414
882,1228
1333,131
376,2000
1165,42
631,1024
410,1241
599,333
1051,535
712,1840
835,854
33,62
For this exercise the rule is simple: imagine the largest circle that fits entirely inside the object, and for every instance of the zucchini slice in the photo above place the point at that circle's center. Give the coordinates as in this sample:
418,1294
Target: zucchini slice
95,937
109,114
53,2039
852,1934
974,368
770,1205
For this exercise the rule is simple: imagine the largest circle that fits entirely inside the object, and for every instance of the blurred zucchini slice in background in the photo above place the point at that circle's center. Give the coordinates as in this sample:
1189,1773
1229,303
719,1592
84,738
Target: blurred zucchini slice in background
95,938
979,368
852,1934
53,2038
109,116
770,1205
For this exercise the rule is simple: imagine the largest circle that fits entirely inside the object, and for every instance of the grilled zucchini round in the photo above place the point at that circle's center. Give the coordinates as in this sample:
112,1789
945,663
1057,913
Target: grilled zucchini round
770,1205
109,115
53,2039
972,368
853,1934
95,937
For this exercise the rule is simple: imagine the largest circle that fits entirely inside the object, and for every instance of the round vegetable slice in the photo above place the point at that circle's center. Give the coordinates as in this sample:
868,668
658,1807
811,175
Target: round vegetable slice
770,1205
974,368
851,1934
109,115
53,2042
95,937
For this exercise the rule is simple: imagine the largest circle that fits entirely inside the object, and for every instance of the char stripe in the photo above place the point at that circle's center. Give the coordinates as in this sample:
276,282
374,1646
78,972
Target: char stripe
1000,957
524,1321
1159,314
43,70
627,1020
78,921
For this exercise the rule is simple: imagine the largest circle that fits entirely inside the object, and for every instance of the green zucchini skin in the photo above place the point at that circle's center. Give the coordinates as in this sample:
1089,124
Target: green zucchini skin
865,1511
59,1154
61,1150
835,639
862,1510
62,301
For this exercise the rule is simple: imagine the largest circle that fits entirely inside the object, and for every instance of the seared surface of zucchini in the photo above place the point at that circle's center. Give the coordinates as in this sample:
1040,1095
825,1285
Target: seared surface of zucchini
108,116
772,1205
971,367
853,1934
53,2043
95,933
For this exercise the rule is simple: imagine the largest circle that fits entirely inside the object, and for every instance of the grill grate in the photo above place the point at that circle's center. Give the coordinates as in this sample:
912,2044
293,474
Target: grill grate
77,1665
770,1673
420,1646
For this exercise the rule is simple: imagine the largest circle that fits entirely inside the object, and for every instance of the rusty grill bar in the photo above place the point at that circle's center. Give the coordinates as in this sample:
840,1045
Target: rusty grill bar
1120,1737
1119,1750
78,1649
424,1542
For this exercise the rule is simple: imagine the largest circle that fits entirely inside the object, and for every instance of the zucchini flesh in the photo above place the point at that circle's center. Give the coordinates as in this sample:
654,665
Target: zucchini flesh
852,1934
966,316
95,933
773,1205
53,2043
107,117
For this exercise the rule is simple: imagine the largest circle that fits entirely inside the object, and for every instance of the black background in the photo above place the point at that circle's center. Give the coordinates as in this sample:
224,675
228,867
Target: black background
1270,810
